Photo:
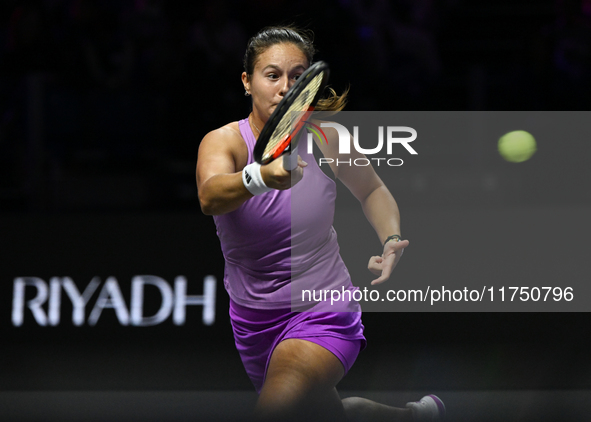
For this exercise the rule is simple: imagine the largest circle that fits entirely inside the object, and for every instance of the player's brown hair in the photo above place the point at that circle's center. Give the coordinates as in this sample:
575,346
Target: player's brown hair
303,39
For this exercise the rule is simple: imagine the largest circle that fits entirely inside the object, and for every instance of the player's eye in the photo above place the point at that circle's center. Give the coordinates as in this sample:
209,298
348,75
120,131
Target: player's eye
272,76
296,77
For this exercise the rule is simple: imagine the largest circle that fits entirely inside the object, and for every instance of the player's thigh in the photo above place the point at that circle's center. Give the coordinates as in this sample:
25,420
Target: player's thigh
301,374
306,364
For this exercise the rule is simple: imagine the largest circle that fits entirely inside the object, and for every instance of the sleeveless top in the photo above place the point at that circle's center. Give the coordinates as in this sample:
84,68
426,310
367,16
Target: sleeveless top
282,242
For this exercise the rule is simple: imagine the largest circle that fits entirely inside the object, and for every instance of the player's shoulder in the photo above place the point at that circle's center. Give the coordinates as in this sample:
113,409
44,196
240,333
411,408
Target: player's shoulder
225,142
325,125
323,121
228,132
227,137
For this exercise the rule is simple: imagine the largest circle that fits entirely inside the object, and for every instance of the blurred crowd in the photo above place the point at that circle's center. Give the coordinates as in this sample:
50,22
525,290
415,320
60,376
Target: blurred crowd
129,87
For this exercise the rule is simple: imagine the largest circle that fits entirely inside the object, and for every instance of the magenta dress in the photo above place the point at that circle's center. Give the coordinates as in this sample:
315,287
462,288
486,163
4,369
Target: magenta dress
275,246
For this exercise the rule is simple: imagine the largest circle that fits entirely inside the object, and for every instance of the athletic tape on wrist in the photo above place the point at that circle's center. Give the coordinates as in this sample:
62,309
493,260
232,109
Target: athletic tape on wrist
253,180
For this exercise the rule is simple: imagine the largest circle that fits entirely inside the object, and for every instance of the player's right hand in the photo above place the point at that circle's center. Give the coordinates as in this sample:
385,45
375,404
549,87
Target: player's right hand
276,177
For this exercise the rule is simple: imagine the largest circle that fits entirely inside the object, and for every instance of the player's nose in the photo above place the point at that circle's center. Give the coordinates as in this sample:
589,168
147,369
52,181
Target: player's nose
284,87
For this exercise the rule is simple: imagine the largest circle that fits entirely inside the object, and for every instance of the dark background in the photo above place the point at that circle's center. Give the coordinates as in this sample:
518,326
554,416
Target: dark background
102,108
104,102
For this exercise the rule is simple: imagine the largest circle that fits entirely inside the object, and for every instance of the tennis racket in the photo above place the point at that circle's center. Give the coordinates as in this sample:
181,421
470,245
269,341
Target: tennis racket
280,134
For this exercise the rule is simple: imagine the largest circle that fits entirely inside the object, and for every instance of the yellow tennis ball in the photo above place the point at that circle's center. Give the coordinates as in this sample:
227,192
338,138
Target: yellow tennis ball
517,146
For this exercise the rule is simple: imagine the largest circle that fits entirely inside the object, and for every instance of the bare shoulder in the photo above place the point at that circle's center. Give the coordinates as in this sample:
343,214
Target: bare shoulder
332,136
330,148
227,134
225,141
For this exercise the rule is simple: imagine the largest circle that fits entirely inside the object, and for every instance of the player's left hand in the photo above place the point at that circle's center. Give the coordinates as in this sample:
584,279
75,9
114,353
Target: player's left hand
383,266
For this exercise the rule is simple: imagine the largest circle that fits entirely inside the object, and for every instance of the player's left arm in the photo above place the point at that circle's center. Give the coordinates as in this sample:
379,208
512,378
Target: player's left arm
381,210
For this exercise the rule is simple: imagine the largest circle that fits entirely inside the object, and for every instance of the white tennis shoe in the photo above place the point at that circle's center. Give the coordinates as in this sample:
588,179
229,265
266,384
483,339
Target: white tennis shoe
429,409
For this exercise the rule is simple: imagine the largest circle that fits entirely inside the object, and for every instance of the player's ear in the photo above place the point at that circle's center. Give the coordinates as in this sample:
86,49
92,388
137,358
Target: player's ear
245,82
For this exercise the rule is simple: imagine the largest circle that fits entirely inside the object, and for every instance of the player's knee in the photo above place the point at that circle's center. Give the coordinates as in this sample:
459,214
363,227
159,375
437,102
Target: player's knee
289,402
280,400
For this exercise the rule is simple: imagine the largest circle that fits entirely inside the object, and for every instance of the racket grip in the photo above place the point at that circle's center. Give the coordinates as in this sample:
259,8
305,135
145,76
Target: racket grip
290,161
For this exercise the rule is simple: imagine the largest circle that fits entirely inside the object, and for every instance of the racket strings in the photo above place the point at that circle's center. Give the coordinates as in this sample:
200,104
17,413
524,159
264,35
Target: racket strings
293,114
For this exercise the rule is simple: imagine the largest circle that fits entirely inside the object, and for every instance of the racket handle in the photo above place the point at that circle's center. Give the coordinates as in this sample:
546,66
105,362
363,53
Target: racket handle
290,161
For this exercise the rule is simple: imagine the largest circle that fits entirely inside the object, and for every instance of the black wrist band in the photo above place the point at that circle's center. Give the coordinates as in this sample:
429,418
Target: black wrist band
394,236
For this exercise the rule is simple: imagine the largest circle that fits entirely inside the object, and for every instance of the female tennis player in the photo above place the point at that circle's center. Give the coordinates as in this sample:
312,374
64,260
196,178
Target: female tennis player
294,359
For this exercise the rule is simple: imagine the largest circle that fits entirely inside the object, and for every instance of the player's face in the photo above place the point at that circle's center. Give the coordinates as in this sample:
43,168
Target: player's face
275,71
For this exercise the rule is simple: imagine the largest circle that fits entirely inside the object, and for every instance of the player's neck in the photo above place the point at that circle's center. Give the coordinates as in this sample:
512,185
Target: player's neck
254,125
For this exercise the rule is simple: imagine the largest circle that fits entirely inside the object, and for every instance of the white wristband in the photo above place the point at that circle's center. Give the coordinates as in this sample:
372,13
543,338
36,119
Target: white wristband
253,180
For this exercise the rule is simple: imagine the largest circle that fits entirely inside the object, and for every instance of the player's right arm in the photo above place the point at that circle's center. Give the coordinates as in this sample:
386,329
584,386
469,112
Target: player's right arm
222,156
220,161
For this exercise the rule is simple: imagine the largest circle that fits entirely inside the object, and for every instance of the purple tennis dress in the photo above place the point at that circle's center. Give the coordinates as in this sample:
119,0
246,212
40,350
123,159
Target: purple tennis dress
277,245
